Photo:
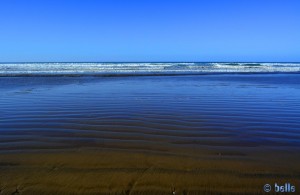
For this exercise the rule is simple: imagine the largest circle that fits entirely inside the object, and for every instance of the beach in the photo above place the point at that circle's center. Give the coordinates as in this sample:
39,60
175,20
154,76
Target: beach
221,133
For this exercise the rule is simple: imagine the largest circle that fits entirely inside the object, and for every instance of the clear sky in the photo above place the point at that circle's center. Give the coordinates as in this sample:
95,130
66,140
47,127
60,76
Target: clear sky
149,30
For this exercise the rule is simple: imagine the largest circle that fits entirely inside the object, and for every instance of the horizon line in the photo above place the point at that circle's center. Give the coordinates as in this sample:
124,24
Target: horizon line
150,62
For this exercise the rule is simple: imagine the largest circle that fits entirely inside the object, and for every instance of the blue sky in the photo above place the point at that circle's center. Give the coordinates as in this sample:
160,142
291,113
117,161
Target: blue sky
149,30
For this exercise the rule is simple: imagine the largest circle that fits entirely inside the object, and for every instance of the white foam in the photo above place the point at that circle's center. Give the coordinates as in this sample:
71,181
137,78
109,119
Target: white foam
136,68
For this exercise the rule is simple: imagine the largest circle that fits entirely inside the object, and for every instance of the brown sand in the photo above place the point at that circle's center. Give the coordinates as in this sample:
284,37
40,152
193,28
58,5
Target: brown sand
89,171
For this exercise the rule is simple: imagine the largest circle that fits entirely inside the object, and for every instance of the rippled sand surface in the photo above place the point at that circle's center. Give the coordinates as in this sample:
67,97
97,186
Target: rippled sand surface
205,134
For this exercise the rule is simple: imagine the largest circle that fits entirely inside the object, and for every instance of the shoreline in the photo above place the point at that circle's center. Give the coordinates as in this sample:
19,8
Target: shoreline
217,134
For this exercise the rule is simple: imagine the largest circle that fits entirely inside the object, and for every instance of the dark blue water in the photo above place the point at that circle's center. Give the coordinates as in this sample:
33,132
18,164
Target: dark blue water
155,113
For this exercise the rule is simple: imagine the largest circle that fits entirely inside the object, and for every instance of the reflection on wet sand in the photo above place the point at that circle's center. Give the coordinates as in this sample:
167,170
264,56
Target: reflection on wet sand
210,134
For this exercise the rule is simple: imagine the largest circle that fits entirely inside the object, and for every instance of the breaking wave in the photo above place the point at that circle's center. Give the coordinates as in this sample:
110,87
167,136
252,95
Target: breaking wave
65,69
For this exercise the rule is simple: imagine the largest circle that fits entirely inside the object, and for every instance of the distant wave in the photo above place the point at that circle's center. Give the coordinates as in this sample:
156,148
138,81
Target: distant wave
77,69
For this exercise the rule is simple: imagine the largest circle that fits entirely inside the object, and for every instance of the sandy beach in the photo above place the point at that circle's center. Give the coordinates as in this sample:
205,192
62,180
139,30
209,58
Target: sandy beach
208,134
124,172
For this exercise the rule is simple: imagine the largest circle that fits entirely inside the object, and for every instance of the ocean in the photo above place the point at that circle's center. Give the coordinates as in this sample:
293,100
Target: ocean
201,128
54,69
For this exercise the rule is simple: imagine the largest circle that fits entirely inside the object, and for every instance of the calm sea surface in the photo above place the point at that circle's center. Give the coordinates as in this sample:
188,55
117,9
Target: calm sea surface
150,113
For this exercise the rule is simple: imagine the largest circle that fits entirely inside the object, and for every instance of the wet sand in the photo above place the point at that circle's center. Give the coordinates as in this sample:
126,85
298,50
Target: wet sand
127,172
210,134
